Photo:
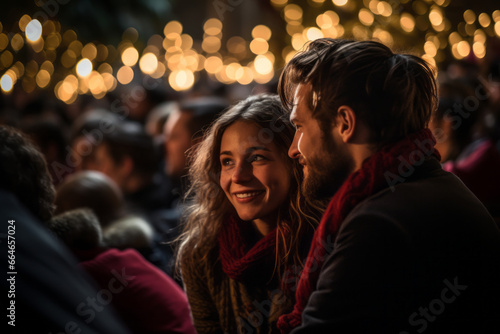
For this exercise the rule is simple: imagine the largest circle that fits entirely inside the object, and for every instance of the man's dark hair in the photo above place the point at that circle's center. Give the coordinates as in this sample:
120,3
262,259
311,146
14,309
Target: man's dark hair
130,139
23,172
394,94
78,229
204,111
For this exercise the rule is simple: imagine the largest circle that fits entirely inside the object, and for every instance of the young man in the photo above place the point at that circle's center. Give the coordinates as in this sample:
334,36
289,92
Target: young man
403,247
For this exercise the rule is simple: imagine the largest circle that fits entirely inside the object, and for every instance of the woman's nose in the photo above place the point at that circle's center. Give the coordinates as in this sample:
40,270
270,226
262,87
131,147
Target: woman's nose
242,173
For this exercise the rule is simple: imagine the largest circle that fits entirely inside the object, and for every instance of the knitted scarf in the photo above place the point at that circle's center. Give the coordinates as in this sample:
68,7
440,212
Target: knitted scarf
396,161
241,260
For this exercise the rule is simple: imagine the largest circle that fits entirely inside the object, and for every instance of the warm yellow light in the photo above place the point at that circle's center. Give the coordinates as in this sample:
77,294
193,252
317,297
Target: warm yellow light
181,80
384,8
125,75
231,70
105,68
298,41
96,83
130,56
279,2
172,29
48,66
68,58
496,15
212,27
109,81
160,71
469,16
6,83
261,31
484,20
42,78
148,63
244,75
259,46
339,2
454,38
187,42
4,41
293,13
463,48
430,49
454,51
213,64
429,59
313,33
236,45
33,30
435,17
407,22
84,67
17,42
262,65
497,28
23,22
211,44
479,49
365,17
290,54
6,58
89,51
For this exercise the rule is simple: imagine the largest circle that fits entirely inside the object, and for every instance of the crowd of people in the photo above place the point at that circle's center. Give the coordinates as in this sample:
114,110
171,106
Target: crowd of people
363,197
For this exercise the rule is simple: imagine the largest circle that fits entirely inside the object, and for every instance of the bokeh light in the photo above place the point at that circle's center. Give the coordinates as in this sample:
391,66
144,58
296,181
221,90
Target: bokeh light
84,67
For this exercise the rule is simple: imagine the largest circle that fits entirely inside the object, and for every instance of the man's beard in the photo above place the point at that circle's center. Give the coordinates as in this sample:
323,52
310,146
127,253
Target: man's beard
326,173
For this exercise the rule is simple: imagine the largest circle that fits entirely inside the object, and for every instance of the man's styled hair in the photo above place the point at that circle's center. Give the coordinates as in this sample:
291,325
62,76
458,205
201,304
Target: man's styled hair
23,171
393,94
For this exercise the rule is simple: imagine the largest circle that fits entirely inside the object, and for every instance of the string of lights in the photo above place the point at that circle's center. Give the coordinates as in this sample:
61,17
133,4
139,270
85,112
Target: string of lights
47,57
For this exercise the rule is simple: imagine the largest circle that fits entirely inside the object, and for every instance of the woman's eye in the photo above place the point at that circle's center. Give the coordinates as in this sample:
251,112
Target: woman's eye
257,157
226,162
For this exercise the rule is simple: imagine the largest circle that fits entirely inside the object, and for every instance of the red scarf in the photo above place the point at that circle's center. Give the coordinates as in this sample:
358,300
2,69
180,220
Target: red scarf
370,179
241,260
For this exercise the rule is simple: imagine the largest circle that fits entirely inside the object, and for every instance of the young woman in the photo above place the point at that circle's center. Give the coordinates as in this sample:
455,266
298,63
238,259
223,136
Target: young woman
248,229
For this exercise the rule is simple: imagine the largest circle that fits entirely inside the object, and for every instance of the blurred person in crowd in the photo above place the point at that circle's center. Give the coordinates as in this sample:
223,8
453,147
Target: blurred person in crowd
184,128
146,299
247,228
129,156
87,132
41,303
52,142
454,123
24,173
157,118
139,99
466,149
121,229
403,246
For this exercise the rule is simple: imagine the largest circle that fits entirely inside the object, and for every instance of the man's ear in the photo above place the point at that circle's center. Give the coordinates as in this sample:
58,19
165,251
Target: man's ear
346,123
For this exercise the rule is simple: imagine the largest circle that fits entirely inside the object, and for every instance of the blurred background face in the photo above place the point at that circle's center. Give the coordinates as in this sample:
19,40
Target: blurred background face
177,142
254,174
102,162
